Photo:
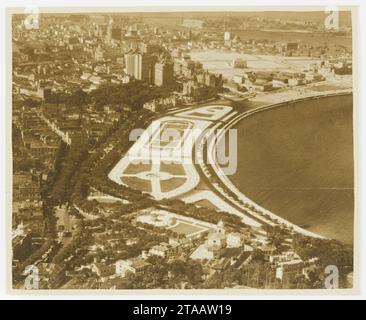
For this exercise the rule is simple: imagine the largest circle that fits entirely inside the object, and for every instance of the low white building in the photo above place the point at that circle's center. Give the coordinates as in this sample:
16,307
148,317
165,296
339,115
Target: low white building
122,267
202,252
288,267
295,82
164,250
134,265
283,257
238,79
235,240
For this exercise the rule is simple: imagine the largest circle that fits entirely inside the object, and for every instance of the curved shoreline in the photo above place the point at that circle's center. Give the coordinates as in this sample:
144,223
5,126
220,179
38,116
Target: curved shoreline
228,185
222,190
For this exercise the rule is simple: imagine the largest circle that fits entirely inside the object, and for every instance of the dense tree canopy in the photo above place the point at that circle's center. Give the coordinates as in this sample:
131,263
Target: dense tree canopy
134,94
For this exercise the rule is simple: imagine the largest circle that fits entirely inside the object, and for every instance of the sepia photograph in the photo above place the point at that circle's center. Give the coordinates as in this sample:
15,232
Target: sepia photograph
182,149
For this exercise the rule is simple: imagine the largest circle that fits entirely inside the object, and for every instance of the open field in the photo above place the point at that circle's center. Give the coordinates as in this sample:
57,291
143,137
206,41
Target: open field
307,38
218,62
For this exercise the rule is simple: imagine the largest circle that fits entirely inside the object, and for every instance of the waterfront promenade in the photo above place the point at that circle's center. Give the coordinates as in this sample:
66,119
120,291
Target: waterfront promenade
176,169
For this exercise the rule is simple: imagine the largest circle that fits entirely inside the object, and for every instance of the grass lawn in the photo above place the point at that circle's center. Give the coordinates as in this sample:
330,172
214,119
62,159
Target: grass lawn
172,168
137,168
137,183
171,184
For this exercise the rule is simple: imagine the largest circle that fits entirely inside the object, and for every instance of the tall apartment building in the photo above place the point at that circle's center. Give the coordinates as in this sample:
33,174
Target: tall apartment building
140,66
163,74
145,68
130,63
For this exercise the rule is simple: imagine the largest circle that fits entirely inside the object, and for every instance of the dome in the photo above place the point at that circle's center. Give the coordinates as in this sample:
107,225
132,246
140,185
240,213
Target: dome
221,224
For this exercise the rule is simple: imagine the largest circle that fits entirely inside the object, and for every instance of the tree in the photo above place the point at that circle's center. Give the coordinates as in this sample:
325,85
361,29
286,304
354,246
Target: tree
78,98
257,255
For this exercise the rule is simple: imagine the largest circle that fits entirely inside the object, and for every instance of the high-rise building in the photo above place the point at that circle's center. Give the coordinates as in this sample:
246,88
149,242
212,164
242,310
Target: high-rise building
163,74
130,63
140,66
145,68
